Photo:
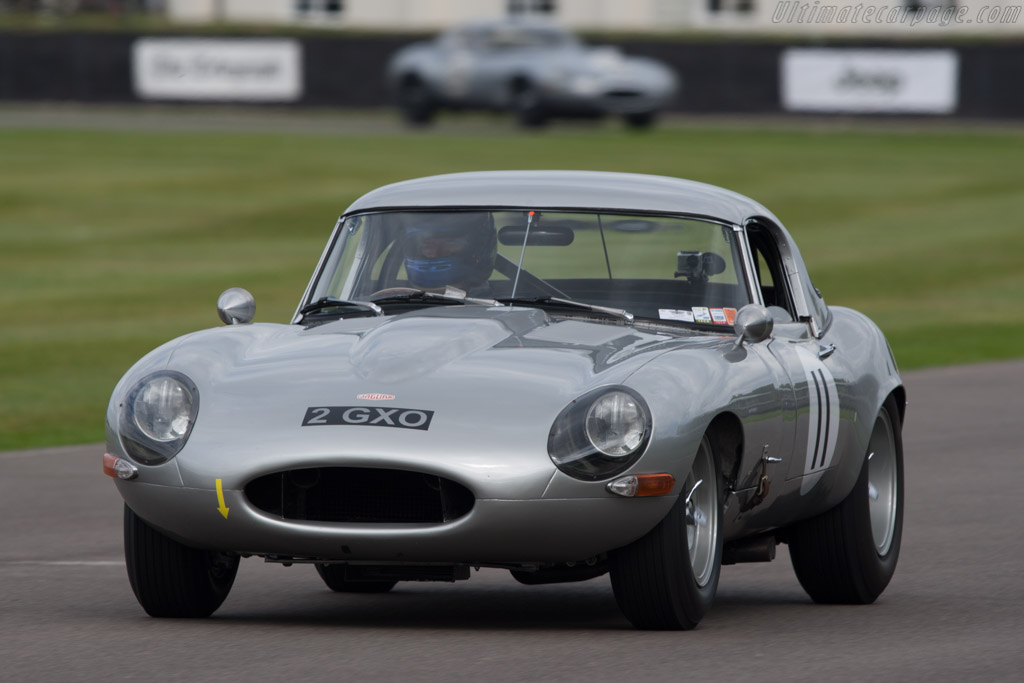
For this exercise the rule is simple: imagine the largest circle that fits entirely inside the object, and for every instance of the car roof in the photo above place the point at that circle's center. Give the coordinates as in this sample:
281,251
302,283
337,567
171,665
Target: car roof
525,23
627,192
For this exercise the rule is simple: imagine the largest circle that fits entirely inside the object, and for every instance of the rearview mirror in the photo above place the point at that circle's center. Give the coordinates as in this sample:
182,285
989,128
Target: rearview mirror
547,236
633,225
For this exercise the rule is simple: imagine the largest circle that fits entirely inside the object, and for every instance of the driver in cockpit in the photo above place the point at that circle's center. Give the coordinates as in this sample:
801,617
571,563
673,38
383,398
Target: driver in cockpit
451,249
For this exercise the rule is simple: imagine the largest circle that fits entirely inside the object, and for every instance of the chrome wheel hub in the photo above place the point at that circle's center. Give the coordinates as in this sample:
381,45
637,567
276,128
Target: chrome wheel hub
882,484
701,514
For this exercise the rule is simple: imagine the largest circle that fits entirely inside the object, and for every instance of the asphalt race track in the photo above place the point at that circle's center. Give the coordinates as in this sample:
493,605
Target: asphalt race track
954,611
386,121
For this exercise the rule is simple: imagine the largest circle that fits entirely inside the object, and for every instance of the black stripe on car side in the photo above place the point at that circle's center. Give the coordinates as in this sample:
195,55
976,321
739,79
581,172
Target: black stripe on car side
828,418
817,438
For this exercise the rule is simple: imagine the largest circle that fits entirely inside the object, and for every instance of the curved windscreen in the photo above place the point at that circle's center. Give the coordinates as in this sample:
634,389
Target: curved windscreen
659,267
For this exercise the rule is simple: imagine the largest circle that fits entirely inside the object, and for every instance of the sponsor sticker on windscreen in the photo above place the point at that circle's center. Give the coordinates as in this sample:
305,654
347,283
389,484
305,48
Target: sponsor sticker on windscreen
701,314
368,416
675,314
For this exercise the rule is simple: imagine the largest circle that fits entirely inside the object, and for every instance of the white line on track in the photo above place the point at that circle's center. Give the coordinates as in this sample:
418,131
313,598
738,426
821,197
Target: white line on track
57,451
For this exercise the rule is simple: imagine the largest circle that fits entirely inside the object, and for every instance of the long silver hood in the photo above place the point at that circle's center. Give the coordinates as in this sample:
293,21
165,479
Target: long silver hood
495,362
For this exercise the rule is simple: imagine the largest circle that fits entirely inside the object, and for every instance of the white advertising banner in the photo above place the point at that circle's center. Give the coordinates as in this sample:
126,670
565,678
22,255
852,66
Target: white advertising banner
869,81
199,69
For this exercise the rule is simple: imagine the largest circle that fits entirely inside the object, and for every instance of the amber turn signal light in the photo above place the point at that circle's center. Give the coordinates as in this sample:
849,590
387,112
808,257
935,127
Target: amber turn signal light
642,485
118,468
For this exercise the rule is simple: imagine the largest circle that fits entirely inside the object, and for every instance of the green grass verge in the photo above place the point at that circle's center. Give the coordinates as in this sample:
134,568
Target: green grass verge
111,243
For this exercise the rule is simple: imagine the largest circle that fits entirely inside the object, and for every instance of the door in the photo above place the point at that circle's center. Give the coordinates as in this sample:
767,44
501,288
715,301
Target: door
809,361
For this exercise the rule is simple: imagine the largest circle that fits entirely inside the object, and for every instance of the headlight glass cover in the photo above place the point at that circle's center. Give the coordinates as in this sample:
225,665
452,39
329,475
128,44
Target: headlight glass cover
616,424
600,434
157,416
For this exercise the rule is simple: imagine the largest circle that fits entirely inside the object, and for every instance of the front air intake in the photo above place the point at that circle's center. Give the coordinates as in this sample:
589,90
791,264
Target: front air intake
360,495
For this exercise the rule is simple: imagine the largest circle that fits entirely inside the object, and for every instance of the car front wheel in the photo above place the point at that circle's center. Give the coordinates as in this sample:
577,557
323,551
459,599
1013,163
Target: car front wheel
528,105
848,554
668,578
640,120
170,579
416,103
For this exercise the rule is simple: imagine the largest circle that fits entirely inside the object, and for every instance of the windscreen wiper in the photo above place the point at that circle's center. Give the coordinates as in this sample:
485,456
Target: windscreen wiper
556,302
449,295
328,302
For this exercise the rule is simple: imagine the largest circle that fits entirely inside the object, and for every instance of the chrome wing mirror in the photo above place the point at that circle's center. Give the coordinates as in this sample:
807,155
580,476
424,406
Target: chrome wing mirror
236,306
753,324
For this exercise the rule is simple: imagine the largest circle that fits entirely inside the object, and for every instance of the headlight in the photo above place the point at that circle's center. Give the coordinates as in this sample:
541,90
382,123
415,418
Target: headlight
554,77
600,434
157,416
585,85
616,424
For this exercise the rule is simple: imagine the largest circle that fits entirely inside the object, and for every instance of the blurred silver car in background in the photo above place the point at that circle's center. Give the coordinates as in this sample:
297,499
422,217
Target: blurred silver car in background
530,67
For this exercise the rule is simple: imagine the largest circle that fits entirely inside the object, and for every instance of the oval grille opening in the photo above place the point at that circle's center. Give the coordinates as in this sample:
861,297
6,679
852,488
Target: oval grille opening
358,494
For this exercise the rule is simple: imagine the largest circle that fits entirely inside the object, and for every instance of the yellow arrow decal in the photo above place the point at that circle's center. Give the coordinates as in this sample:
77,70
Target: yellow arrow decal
220,499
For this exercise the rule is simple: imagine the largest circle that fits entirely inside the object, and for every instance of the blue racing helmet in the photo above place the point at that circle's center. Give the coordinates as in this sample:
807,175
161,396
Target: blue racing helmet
455,248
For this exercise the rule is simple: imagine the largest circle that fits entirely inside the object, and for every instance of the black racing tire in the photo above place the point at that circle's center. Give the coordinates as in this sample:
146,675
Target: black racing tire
658,581
416,103
170,579
334,578
528,105
848,554
641,120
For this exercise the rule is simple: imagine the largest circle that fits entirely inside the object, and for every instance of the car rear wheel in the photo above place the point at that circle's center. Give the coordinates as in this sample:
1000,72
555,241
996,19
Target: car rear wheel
848,554
668,578
334,577
170,579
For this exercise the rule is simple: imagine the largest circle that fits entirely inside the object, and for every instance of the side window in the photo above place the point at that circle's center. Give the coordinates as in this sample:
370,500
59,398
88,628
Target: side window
771,279
764,277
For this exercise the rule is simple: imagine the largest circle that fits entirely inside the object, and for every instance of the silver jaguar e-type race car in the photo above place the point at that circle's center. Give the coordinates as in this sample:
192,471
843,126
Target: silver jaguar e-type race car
532,68
561,374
